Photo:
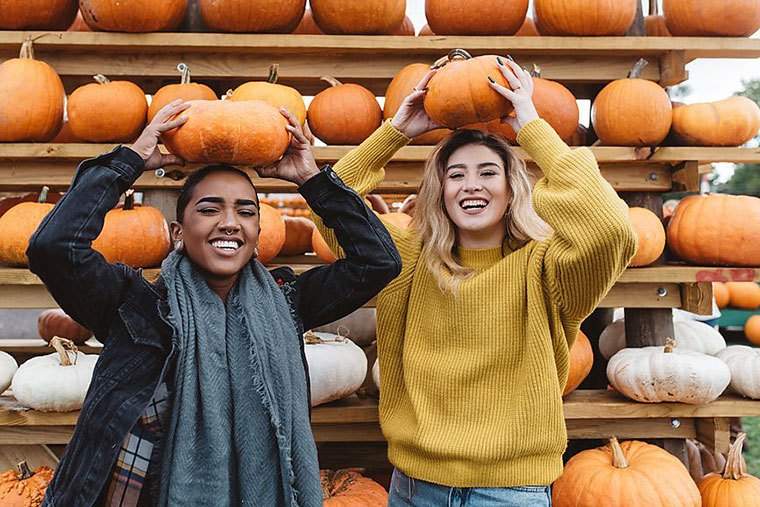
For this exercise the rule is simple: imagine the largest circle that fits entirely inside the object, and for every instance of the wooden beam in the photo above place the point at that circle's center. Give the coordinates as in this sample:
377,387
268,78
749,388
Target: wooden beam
697,298
686,177
673,68
715,433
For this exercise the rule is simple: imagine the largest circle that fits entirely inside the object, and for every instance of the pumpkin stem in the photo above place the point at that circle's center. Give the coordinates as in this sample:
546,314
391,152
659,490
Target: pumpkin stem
228,94
185,72
670,344
24,472
331,80
454,54
637,69
536,71
736,467
618,456
274,73
312,339
63,346
43,194
27,49
129,200
101,79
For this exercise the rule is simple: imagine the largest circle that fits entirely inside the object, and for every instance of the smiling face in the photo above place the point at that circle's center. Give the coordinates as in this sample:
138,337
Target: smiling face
477,196
220,225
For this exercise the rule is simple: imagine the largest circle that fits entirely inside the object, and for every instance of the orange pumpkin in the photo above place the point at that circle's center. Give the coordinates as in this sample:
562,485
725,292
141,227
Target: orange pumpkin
425,30
298,232
55,322
185,91
320,247
368,17
79,24
401,86
716,230
348,488
651,236
135,16
405,28
308,26
475,17
250,132
729,18
744,295
632,112
721,294
581,362
65,135
729,122
398,219
735,487
752,330
344,113
584,17
252,16
654,24
276,95
18,224
107,111
631,474
272,235
37,14
31,98
7,203
528,29
460,94
24,488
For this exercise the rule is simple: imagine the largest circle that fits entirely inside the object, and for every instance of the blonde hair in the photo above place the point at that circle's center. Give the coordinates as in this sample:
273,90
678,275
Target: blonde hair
436,229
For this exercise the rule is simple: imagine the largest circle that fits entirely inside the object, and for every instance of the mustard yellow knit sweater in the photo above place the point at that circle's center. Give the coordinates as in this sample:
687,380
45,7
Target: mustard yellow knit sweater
471,385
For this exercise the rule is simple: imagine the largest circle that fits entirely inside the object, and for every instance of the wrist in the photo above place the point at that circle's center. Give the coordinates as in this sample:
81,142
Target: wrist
304,176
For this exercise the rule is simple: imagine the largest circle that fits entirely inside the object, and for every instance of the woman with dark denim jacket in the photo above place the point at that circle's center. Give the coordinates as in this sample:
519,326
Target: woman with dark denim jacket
200,395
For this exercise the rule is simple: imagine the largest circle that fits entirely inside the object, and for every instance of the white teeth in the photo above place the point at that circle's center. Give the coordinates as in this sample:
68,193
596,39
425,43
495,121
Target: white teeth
474,203
225,244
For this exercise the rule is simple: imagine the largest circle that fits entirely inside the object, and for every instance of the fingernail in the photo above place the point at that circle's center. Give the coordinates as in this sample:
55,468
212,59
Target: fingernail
499,61
492,80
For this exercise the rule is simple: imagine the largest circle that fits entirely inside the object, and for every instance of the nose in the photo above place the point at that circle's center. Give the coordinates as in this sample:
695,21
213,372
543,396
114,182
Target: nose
472,182
229,223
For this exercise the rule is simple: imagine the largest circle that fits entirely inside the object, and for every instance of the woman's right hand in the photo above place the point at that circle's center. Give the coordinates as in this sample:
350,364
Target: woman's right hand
147,144
411,119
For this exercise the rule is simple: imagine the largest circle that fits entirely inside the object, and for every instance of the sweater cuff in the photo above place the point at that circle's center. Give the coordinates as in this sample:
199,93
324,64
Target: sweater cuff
542,143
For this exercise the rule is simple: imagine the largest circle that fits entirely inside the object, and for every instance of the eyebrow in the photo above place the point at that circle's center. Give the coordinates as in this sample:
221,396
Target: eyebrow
220,200
480,166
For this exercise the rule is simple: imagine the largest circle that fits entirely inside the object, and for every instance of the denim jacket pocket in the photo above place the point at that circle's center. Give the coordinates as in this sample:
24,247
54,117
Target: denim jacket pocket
140,328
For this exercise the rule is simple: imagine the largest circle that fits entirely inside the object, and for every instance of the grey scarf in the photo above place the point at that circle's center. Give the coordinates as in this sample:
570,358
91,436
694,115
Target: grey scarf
239,431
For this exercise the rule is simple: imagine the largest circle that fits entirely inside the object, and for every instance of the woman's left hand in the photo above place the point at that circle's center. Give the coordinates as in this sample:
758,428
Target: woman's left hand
521,94
298,164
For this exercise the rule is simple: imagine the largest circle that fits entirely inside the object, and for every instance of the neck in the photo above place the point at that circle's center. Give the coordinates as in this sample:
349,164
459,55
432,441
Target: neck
483,239
221,286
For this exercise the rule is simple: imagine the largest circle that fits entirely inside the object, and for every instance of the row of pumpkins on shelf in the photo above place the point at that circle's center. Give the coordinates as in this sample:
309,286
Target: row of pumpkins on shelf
738,18
744,296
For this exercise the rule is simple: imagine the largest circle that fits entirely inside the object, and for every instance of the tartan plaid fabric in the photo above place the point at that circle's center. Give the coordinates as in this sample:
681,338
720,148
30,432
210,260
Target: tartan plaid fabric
138,452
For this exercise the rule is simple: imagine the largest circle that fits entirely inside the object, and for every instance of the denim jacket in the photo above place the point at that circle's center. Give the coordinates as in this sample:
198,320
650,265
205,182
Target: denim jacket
129,314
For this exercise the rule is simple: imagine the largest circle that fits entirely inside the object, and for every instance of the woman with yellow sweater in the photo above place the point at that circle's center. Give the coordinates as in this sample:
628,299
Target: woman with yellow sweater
474,335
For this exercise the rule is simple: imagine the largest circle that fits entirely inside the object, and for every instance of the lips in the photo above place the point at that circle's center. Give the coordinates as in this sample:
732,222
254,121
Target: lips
226,246
473,206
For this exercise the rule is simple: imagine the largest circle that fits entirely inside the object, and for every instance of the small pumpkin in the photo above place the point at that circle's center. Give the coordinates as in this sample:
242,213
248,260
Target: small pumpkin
479,17
731,18
729,122
56,382
631,474
632,112
744,363
734,487
337,367
185,90
8,367
248,132
107,111
298,231
135,16
344,113
581,362
528,29
584,17
321,248
651,234
252,16
31,98
18,224
406,28
721,294
752,330
360,326
655,24
308,26
348,488
744,295
668,374
368,17
276,95
37,14
24,488
690,335
272,235
55,322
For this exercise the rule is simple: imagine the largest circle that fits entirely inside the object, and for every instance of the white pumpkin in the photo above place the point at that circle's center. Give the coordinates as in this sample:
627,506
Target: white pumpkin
744,363
658,374
376,373
56,382
689,334
8,367
337,367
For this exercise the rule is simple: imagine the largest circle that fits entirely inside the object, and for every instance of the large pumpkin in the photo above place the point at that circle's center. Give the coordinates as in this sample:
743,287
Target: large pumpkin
752,330
65,135
344,113
321,248
368,17
298,231
734,487
729,18
475,17
276,95
402,85
18,224
31,98
744,295
250,132
252,16
272,235
308,26
185,91
655,24
134,16
107,111
134,235
406,28
37,14
24,488
744,363
528,29
584,17
716,229
631,474
55,322
632,112
729,122
348,488
460,94
337,367
581,362
651,236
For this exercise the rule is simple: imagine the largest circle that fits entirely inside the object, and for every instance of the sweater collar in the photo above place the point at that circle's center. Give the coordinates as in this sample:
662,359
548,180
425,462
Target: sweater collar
482,259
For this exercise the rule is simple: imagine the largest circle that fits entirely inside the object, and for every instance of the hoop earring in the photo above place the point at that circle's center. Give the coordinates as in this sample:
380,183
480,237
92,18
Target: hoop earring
179,245
255,252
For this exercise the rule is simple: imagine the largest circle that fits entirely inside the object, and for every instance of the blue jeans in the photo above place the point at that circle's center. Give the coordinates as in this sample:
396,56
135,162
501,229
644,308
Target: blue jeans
408,492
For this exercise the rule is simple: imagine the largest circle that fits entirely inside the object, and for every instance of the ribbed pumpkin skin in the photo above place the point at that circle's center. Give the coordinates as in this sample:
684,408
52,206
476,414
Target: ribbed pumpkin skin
654,478
172,92
133,16
344,114
55,322
717,230
18,224
114,112
729,122
528,29
632,112
308,26
221,131
584,17
368,17
475,17
252,16
276,95
37,14
406,28
137,237
272,235
651,236
728,18
581,362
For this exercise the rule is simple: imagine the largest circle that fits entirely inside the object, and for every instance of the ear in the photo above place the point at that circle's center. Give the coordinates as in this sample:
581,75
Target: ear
176,231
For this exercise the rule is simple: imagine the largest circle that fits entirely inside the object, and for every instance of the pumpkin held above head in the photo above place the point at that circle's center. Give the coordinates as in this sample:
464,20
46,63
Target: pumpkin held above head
185,90
269,91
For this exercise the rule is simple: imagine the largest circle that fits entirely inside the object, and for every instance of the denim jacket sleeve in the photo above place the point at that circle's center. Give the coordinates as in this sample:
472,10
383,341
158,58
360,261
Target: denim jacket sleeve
60,252
327,293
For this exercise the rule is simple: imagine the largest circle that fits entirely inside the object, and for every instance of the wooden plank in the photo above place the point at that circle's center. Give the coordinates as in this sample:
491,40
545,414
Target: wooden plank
584,429
681,273
686,177
715,433
38,346
697,298
35,435
643,295
673,68
34,455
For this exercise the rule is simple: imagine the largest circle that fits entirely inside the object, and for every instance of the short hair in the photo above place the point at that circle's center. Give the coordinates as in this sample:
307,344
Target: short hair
195,178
